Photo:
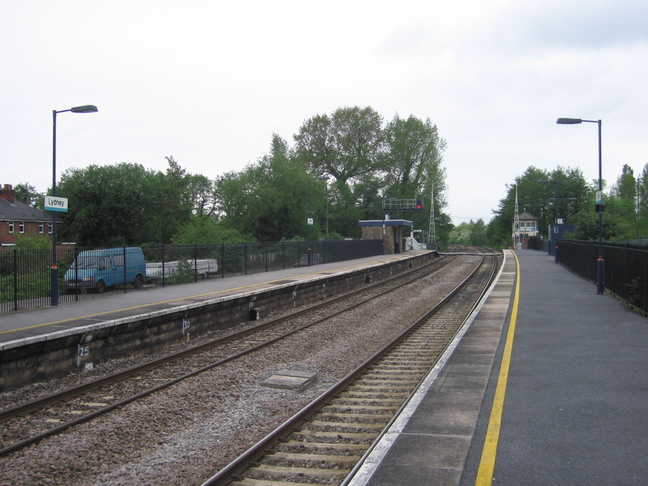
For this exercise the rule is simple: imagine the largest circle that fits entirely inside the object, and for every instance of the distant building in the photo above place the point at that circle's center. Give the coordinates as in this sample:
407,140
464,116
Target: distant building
528,227
17,218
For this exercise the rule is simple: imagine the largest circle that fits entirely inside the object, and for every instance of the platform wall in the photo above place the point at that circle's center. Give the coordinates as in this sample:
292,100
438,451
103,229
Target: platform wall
54,355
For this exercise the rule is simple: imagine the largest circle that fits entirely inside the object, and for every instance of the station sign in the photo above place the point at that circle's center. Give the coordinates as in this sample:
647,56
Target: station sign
59,204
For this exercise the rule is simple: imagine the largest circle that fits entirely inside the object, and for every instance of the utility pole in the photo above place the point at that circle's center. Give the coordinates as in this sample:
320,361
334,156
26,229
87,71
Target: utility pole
432,226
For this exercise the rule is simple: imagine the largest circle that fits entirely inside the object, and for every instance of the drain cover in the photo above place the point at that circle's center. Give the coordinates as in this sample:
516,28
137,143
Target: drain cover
291,380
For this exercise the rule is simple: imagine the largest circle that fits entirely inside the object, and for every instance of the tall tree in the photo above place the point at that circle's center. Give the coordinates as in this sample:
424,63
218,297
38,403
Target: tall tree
347,145
642,203
201,195
268,199
561,193
621,204
26,194
108,205
368,162
173,201
413,156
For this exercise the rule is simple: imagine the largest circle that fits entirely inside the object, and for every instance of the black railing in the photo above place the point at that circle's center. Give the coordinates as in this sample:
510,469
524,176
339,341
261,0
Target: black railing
625,270
25,276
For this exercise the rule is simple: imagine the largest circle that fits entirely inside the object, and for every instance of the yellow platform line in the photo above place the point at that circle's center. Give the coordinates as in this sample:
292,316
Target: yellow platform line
489,452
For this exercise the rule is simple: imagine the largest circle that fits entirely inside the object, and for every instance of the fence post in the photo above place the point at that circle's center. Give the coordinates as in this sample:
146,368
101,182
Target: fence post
125,272
245,255
283,255
195,255
223,259
76,274
15,273
163,269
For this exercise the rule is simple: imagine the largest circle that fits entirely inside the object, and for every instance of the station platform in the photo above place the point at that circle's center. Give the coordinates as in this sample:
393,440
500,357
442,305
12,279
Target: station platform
32,323
546,385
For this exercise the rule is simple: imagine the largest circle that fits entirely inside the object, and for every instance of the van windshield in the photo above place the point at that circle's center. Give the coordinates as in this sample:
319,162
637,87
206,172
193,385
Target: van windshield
88,262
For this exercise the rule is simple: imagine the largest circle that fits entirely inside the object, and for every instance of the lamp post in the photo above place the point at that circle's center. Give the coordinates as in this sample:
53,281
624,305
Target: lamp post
310,219
54,268
600,264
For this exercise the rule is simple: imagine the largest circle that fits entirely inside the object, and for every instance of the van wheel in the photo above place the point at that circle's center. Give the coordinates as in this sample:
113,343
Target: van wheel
100,287
139,281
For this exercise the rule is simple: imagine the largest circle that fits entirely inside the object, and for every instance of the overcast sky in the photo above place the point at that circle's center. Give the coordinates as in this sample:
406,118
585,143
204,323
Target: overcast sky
208,82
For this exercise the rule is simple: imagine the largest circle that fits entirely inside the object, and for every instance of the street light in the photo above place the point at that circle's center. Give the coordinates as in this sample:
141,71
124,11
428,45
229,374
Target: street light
309,219
600,264
54,268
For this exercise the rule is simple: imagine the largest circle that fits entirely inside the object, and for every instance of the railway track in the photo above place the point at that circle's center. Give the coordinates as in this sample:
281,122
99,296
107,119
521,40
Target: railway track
325,441
30,422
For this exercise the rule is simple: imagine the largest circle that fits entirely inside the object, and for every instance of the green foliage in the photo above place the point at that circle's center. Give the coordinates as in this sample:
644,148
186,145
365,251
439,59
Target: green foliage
33,242
560,194
183,274
205,231
347,145
364,162
472,233
367,162
268,200
26,194
413,157
108,205
569,197
31,263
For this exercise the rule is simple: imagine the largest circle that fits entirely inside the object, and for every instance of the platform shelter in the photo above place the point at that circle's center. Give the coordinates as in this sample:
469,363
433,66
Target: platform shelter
392,231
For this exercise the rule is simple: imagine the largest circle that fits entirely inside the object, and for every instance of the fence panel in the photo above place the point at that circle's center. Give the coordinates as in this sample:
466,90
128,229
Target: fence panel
625,270
25,279
25,275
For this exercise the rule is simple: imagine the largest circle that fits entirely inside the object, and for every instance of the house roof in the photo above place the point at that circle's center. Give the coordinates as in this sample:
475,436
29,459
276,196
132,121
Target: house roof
526,216
18,211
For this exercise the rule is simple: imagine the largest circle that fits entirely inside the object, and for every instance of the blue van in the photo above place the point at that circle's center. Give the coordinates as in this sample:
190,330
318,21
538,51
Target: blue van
98,269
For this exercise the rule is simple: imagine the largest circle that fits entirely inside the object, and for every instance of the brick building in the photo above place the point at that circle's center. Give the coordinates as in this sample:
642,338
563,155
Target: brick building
17,218
393,232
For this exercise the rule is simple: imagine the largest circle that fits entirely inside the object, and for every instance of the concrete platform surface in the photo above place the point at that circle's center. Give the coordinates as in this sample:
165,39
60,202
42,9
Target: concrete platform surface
575,405
27,323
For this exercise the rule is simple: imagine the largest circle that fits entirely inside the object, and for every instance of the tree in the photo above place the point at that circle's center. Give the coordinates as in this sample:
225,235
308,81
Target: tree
201,195
471,233
26,194
203,230
107,205
562,193
620,216
267,200
368,163
413,156
127,204
642,203
172,198
346,145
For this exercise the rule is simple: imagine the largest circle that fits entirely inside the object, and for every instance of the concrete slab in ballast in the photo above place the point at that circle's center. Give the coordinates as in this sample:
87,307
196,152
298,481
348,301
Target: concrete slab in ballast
291,380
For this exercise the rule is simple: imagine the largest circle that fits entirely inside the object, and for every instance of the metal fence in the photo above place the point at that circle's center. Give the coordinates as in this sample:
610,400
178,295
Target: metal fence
25,275
625,271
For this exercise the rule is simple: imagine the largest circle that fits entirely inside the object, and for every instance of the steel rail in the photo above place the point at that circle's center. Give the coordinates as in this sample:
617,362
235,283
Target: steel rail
5,415
71,392
233,470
